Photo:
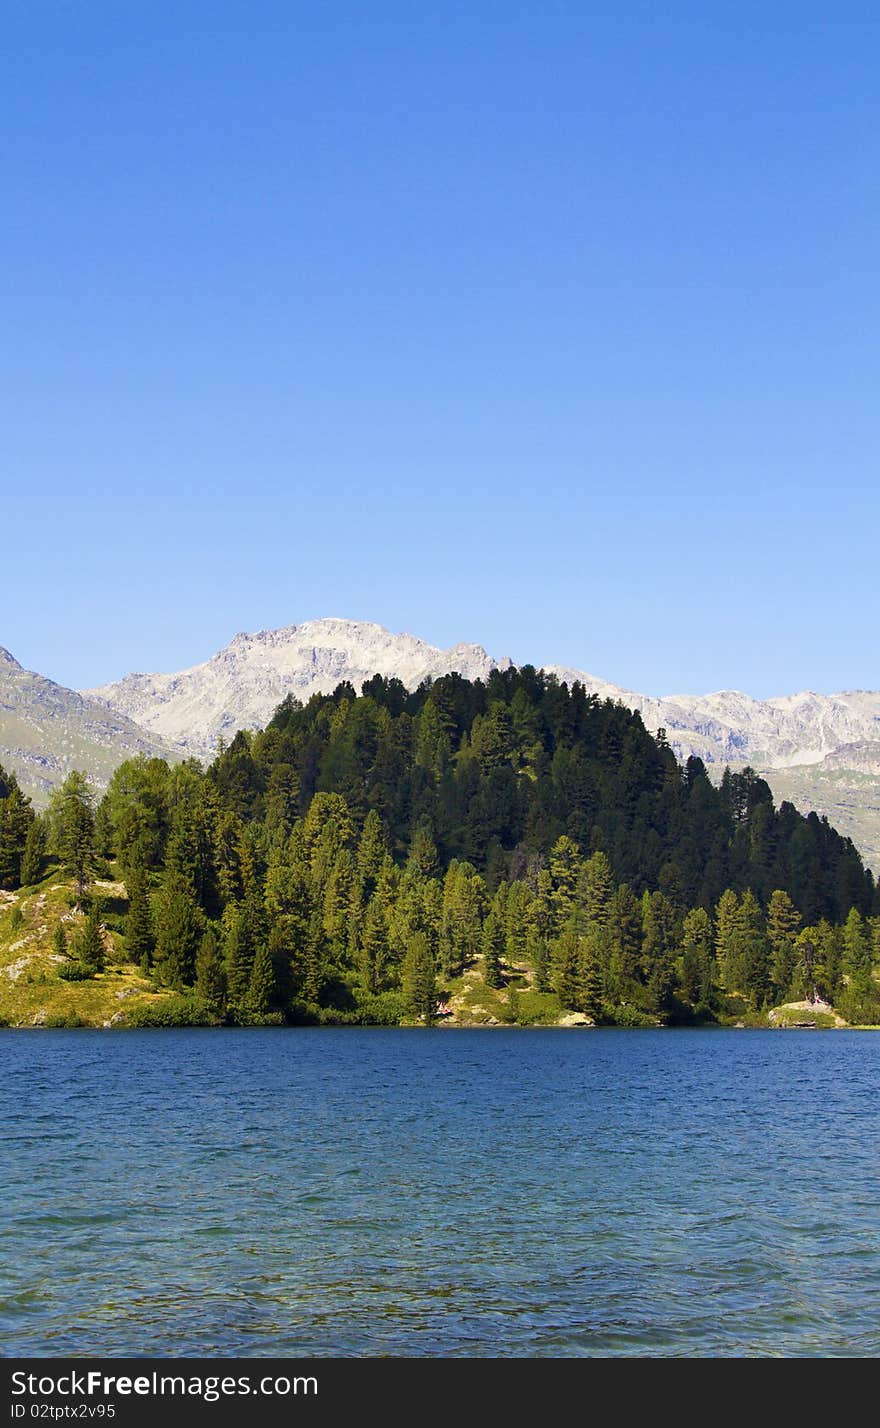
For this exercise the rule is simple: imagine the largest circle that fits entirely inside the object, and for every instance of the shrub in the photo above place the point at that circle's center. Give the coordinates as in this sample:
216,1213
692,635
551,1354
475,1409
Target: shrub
171,1012
386,1009
631,1017
860,1006
75,972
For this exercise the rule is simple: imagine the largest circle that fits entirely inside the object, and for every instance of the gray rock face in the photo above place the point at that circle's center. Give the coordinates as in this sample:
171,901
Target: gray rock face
242,685
47,730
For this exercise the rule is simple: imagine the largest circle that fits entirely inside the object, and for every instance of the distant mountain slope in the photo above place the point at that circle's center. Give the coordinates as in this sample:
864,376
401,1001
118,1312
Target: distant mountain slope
46,730
243,684
813,734
730,727
848,793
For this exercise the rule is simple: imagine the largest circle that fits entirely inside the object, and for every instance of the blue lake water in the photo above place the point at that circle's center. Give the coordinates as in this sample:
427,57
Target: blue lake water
491,1193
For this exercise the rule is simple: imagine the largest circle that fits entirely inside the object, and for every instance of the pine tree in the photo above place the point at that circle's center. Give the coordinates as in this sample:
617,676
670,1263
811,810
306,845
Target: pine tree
310,967
516,921
239,952
16,818
71,813
210,983
90,942
783,923
564,867
592,971
139,940
726,924
857,949
627,932
261,988
432,744
419,981
423,860
59,941
659,946
373,951
34,852
178,926
336,905
752,950
567,969
371,852
538,955
493,948
596,890
806,960
697,958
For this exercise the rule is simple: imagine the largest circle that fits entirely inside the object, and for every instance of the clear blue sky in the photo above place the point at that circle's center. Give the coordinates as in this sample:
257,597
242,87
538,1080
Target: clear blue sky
552,326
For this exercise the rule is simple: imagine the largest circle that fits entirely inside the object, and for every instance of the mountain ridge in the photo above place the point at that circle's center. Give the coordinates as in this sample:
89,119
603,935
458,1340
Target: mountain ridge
788,738
243,683
819,750
46,730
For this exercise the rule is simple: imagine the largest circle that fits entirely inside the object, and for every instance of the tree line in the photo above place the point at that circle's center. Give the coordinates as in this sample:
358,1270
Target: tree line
354,858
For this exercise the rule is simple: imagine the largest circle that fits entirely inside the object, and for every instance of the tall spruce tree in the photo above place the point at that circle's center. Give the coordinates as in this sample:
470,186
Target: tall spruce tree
90,941
493,948
33,854
178,928
261,988
419,981
139,939
16,819
72,817
783,924
210,982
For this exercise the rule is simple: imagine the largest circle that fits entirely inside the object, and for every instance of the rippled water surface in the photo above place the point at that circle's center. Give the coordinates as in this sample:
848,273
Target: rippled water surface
439,1193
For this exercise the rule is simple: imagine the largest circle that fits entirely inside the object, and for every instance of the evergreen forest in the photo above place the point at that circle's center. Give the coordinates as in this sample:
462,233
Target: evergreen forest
396,856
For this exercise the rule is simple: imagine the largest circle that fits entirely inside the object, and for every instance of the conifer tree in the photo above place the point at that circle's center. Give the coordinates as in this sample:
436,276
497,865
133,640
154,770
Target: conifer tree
239,951
806,961
493,947
178,932
210,982
139,941
33,853
16,819
71,812
596,890
626,931
373,951
538,955
371,852
783,923
697,957
310,968
517,916
752,950
659,946
423,860
857,949
59,941
564,867
593,950
261,988
419,981
567,969
726,925
90,942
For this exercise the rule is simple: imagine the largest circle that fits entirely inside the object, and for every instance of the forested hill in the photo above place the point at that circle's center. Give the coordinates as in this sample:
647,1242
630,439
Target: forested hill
514,849
495,773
